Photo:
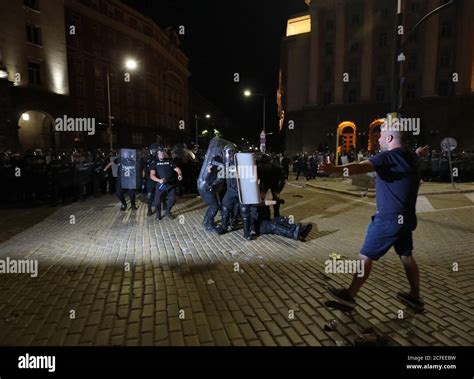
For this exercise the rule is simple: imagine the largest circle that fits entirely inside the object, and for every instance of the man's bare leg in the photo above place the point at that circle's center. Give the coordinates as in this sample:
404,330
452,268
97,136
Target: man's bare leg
358,282
413,276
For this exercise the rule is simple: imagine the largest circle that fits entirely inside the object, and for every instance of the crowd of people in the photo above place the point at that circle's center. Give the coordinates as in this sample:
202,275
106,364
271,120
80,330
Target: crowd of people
61,177
47,177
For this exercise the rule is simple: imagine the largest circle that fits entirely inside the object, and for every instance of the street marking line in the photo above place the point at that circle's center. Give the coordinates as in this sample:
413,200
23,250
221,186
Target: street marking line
470,196
373,204
449,209
423,205
333,194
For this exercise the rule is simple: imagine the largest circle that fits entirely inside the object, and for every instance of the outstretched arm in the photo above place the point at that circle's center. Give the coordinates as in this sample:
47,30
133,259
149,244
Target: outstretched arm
350,169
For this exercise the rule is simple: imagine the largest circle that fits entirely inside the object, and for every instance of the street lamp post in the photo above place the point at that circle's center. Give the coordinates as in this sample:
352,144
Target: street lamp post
248,93
397,94
131,65
208,116
109,129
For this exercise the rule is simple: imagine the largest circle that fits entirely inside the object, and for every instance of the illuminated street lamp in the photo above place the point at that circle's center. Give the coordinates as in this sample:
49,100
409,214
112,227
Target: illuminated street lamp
130,64
248,93
197,118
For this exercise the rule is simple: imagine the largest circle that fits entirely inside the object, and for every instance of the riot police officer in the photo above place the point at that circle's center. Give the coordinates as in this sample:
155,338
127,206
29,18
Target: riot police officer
120,191
230,202
163,174
150,185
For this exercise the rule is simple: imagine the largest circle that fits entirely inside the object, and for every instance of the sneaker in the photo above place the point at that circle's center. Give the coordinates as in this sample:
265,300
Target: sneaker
305,230
123,208
159,218
415,304
134,208
221,231
170,216
150,212
342,296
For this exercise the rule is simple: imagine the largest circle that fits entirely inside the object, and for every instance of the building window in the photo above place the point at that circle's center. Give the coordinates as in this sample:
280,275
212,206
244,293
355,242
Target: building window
327,98
413,63
354,47
95,29
33,4
329,48
380,94
137,138
381,65
445,59
443,89
79,64
97,71
411,91
33,34
328,73
446,30
352,96
118,15
76,20
81,108
383,40
80,89
99,93
34,73
415,7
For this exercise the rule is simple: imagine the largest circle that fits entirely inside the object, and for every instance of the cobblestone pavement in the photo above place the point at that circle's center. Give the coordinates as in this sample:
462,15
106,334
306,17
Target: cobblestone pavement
114,278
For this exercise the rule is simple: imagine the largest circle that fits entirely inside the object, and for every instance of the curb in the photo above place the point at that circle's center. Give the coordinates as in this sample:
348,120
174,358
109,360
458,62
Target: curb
371,195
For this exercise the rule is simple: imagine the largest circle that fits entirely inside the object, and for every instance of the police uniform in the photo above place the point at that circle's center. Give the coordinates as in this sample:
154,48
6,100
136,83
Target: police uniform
164,169
121,191
150,185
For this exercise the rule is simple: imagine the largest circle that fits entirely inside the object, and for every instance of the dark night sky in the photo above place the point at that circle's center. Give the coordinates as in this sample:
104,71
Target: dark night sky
224,37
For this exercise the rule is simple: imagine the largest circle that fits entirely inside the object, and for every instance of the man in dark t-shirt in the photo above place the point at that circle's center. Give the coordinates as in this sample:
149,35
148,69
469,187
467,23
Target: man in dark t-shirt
397,184
163,174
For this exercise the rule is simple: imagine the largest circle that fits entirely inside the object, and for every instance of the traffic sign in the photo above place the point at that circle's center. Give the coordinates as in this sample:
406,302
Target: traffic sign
449,144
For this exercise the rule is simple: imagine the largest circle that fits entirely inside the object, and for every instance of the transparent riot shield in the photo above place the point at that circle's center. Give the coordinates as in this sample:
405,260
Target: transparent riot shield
129,169
247,179
214,157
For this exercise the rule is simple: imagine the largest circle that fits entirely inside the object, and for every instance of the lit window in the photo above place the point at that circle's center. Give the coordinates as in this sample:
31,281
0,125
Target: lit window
33,34
34,73
298,25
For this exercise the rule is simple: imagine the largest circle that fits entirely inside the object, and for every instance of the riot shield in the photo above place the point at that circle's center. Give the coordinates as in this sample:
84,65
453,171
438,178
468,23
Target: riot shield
247,179
215,153
129,169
